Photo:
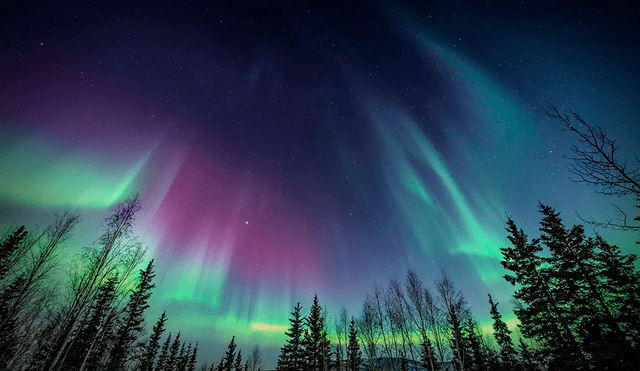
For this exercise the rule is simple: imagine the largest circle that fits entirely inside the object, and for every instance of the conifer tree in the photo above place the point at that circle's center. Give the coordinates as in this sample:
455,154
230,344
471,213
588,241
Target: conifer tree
174,352
163,358
181,360
151,349
502,334
540,313
428,358
219,367
85,343
133,321
354,355
8,321
527,359
115,249
315,340
621,282
237,366
8,247
229,356
193,358
579,286
292,354
472,345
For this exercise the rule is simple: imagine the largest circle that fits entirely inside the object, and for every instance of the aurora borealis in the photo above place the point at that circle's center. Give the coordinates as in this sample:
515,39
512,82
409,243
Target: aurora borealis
292,149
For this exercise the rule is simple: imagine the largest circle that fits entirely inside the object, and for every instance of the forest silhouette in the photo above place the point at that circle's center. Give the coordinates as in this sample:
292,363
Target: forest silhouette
577,301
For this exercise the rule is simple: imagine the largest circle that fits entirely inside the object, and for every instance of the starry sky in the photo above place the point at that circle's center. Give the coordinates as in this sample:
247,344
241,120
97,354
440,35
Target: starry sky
285,149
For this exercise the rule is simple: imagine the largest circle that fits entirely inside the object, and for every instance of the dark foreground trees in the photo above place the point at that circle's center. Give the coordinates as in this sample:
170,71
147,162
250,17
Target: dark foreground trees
579,300
307,347
95,321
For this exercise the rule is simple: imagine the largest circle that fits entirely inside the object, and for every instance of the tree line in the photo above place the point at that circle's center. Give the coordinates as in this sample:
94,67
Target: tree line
577,302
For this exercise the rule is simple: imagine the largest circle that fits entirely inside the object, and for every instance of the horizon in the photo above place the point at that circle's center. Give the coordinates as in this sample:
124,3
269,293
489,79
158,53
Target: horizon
283,151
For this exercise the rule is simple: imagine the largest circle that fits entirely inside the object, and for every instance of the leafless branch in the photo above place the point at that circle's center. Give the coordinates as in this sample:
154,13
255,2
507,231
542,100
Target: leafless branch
594,161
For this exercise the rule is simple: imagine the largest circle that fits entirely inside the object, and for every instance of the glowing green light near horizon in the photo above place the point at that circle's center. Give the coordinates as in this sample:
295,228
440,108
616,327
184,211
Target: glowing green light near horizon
264,327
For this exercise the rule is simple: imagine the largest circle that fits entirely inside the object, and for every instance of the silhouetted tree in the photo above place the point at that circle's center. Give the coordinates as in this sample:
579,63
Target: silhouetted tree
454,306
183,357
193,358
341,327
229,356
133,320
8,248
237,366
85,343
151,348
315,340
428,358
163,358
174,352
255,359
539,310
292,354
594,161
8,321
116,249
502,334
368,328
354,355
527,358
423,312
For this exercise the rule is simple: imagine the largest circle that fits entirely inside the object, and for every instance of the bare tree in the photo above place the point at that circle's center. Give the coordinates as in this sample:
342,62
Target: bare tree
32,294
116,251
341,327
400,318
423,313
369,331
255,358
454,305
594,161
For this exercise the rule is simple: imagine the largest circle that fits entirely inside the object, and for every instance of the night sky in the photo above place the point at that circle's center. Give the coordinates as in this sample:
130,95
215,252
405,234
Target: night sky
282,150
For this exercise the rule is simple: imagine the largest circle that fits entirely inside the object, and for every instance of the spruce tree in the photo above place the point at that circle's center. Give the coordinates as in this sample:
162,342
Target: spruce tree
151,348
237,366
182,360
174,352
163,358
354,355
229,356
456,339
103,343
428,358
8,246
193,358
621,281
315,340
472,345
502,334
527,359
539,310
133,321
579,286
8,320
292,354
219,367
86,342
